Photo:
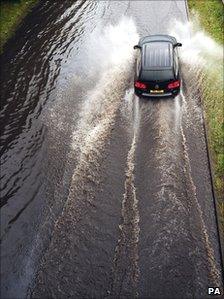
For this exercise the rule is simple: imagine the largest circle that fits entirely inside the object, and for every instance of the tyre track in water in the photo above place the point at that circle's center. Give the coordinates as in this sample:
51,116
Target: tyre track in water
76,242
202,192
126,270
214,273
90,215
165,240
173,235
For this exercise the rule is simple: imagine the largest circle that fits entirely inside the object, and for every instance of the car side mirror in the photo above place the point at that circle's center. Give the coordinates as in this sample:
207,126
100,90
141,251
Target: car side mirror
177,45
136,47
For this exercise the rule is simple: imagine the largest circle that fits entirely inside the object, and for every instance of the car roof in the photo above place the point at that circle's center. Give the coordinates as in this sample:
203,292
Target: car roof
157,55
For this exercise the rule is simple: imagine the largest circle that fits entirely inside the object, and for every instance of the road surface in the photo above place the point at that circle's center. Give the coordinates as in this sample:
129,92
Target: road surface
103,194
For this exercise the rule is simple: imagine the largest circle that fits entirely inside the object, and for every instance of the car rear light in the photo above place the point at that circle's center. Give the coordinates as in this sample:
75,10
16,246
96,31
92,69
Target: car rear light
174,84
140,85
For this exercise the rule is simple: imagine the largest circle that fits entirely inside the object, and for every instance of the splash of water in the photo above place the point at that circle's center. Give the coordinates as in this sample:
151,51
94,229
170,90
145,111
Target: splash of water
199,49
111,46
111,53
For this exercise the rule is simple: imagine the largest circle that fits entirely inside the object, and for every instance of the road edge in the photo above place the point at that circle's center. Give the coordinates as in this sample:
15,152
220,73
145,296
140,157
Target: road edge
211,173
18,20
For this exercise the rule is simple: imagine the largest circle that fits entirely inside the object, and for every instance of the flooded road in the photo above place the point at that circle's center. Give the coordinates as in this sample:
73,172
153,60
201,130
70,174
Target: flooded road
102,194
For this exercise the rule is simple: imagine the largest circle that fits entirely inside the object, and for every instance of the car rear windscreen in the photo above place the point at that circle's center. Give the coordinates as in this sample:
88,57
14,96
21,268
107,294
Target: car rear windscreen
157,75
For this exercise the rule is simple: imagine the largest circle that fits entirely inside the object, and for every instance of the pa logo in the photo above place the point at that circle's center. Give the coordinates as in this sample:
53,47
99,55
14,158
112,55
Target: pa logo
214,291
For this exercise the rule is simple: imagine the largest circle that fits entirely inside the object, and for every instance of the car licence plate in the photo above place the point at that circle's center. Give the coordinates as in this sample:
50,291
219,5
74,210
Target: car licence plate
157,91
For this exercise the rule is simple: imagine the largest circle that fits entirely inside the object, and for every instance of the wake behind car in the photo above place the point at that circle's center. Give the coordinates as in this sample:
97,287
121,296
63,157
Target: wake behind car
157,67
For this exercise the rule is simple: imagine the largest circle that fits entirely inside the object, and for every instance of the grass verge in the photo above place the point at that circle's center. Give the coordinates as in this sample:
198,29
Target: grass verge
210,14
11,14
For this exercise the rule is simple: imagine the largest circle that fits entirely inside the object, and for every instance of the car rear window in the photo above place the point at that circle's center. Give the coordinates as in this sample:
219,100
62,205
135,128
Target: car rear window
157,75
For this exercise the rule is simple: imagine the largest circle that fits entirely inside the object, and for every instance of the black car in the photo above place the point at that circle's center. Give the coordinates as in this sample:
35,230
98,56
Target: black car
157,66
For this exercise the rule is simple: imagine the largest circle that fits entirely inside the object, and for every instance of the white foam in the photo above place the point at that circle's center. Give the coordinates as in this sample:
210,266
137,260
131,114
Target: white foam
112,45
111,56
198,49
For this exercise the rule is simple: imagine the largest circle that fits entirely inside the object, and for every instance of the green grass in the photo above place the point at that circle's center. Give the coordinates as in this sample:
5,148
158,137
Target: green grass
11,14
210,14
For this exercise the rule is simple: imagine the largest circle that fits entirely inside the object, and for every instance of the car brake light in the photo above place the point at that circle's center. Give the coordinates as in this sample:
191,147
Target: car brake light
174,84
140,85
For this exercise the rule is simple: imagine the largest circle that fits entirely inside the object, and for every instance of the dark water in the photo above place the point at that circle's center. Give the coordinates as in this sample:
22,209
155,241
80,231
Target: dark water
102,195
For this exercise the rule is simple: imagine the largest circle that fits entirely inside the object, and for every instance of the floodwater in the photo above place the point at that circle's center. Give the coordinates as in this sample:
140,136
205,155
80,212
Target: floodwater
102,194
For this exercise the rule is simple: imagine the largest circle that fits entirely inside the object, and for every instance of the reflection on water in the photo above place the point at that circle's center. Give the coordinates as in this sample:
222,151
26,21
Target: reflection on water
30,71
